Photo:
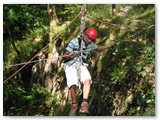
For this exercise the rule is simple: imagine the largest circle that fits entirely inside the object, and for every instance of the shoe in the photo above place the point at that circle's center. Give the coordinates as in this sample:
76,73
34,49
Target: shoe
84,107
73,110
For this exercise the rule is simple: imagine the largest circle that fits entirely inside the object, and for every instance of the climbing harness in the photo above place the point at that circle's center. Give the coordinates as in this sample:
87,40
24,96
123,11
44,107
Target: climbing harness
82,12
84,16
80,60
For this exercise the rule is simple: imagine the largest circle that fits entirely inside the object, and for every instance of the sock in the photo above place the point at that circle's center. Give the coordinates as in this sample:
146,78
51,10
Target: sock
85,100
74,104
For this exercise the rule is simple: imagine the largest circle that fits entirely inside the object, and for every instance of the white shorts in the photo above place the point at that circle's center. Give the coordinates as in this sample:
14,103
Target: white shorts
71,73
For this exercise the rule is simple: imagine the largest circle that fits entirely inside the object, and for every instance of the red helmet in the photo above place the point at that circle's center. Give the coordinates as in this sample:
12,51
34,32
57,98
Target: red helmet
92,33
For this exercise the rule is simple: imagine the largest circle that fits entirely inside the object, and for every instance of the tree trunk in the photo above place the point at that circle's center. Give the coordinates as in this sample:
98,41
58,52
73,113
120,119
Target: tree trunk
113,10
50,74
13,45
25,73
52,16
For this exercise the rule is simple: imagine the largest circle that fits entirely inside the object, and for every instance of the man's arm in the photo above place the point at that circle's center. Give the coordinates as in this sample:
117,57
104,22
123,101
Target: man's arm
104,47
68,55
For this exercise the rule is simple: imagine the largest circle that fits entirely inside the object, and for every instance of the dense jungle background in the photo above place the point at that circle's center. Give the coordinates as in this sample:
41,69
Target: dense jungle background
123,76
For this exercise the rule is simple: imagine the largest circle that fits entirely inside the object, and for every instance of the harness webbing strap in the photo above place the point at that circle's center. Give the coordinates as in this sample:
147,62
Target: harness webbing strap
83,11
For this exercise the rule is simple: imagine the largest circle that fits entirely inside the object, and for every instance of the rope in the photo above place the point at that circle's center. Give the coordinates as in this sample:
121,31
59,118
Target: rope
132,36
40,60
83,12
42,49
118,25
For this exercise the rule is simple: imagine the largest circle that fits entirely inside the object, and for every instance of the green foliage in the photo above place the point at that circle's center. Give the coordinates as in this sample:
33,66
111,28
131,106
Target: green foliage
125,81
123,77
66,12
20,19
99,11
37,102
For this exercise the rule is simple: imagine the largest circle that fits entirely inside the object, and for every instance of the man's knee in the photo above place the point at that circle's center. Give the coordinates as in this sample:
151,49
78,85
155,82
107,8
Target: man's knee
73,87
87,82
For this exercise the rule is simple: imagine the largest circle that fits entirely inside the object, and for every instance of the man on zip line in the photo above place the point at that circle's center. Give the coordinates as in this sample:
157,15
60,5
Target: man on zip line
76,70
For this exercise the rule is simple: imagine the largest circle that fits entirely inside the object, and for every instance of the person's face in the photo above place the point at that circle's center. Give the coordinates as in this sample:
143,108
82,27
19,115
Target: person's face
87,40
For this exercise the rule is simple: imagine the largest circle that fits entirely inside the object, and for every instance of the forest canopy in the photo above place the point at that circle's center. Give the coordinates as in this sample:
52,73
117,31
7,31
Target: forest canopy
123,77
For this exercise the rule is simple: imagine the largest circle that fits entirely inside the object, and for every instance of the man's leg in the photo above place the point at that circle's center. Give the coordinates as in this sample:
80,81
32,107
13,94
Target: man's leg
72,80
86,88
86,91
73,91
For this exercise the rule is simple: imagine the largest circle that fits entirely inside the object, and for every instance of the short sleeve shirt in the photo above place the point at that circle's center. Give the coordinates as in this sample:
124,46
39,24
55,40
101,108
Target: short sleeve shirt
74,46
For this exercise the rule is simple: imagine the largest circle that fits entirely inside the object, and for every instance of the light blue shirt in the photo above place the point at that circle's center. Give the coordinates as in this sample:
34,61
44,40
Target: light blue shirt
74,46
